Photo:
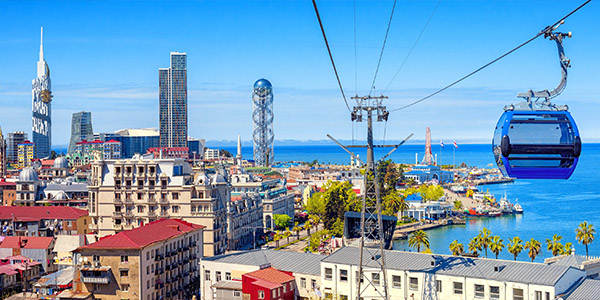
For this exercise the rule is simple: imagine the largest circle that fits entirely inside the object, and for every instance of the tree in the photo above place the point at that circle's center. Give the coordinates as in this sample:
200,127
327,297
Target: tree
496,245
417,239
515,246
286,234
316,204
554,245
534,247
485,239
394,202
567,249
475,245
314,219
225,153
307,226
339,197
297,229
585,234
456,248
338,228
277,237
315,240
458,205
281,221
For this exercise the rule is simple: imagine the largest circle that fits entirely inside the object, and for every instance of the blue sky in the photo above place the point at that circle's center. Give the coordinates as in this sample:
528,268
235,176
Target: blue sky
104,58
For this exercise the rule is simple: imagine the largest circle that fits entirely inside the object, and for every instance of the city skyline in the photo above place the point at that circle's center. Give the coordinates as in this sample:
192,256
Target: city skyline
230,52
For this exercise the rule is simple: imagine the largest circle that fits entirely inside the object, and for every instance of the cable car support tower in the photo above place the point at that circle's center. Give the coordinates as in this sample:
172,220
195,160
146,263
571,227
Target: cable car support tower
372,235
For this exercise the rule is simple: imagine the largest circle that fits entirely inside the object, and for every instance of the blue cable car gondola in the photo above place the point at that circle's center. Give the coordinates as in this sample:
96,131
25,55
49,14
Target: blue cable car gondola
537,139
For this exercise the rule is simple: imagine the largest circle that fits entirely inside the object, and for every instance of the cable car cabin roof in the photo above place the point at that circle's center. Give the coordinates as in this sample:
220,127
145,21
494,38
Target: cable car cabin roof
537,144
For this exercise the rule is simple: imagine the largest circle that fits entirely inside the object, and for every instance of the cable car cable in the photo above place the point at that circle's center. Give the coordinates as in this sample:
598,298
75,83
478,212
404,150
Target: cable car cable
331,56
493,61
414,45
355,55
387,31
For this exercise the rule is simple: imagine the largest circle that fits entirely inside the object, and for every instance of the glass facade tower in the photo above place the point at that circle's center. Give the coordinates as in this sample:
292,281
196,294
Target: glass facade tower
173,102
41,106
81,129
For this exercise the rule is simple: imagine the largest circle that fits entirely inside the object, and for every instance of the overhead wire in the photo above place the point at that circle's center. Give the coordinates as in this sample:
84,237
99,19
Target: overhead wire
414,45
331,56
387,31
491,62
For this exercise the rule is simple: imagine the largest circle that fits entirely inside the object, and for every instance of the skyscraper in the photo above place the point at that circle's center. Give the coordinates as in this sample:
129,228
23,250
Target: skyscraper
262,116
41,106
81,129
173,102
12,149
2,155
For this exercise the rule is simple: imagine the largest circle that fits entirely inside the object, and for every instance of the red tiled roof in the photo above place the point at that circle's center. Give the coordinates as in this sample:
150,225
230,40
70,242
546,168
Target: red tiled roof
18,257
27,242
8,270
112,141
271,275
141,237
6,183
36,213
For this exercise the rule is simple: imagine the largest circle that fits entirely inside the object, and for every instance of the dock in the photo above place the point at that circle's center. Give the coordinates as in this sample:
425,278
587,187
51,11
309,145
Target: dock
404,230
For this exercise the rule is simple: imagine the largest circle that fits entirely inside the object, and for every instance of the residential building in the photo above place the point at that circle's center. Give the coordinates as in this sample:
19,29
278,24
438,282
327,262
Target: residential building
155,261
3,158
196,147
65,192
86,151
169,152
418,276
8,192
81,129
25,270
112,149
222,271
303,175
64,246
12,147
34,248
26,153
41,106
44,220
269,284
50,285
211,154
244,221
173,102
132,140
129,193
28,188
9,279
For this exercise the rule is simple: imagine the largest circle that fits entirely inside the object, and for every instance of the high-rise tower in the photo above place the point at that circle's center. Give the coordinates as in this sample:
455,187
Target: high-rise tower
81,129
12,149
41,106
173,102
428,158
2,155
262,115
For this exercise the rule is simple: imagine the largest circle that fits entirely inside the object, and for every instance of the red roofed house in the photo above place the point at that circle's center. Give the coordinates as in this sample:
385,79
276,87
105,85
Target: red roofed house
43,220
169,152
35,248
155,261
268,283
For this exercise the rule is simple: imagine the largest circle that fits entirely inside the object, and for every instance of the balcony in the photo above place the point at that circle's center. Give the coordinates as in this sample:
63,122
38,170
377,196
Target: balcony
118,213
164,214
158,257
152,213
100,280
117,201
100,275
129,213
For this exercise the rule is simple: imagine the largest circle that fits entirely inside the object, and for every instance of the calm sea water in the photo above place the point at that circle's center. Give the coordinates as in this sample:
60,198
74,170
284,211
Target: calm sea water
551,206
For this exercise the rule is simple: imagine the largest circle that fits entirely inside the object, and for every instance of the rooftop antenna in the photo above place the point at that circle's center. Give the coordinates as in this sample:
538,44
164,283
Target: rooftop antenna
372,235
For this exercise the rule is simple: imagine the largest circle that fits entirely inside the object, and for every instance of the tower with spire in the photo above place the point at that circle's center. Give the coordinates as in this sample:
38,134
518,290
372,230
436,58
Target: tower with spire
41,106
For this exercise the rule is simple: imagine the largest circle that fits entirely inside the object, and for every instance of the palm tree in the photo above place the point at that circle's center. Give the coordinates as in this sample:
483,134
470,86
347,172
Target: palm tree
417,239
485,239
286,234
278,236
535,248
554,245
475,245
457,248
515,246
496,245
567,249
307,227
585,235
297,229
458,206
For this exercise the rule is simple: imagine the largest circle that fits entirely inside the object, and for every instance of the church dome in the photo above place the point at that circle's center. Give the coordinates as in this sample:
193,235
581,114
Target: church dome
61,163
28,174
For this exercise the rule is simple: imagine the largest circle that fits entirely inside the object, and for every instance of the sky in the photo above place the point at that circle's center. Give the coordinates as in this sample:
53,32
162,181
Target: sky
104,57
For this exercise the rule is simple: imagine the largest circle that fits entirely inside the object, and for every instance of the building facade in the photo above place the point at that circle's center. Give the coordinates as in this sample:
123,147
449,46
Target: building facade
173,102
3,158
41,106
155,261
81,129
132,140
12,147
26,152
129,193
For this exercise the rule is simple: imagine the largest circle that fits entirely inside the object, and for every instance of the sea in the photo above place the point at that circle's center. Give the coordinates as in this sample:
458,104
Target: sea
550,206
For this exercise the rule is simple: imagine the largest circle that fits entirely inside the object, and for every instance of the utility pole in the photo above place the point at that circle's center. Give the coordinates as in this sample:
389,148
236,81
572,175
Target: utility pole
372,235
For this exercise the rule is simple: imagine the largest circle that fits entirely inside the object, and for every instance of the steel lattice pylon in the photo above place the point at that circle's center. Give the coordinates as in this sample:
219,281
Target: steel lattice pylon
262,117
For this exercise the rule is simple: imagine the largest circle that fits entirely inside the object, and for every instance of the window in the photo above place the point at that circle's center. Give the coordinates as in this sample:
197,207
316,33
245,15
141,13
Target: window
125,287
140,196
175,196
227,276
518,294
96,258
124,258
140,209
147,270
207,275
124,273
303,283
414,284
458,288
538,295
237,294
375,278
358,277
479,291
328,274
547,295
261,294
396,281
175,209
344,275
313,284
343,297
494,292
147,255
284,288
438,286
218,276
